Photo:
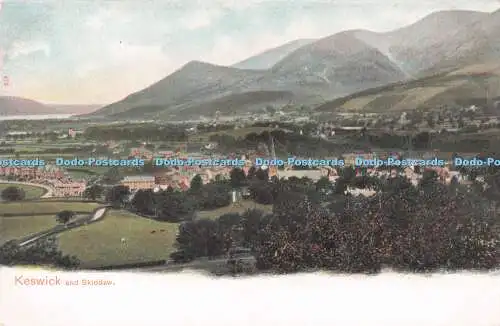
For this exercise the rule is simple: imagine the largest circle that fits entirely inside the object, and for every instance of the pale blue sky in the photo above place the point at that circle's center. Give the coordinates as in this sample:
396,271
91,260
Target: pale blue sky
90,51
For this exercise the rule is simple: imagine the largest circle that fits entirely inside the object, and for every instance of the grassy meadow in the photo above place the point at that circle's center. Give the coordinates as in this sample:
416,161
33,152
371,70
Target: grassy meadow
44,207
12,227
100,243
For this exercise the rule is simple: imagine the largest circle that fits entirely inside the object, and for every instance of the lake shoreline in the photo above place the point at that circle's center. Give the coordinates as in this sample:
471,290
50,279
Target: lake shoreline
37,117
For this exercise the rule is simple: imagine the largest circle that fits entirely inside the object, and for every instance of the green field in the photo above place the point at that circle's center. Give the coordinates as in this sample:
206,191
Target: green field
20,226
32,192
44,207
242,132
100,243
31,221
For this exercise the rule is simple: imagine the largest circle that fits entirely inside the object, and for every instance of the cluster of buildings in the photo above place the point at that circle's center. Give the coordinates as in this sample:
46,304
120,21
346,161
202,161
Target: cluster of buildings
178,178
54,177
141,153
67,187
31,174
451,119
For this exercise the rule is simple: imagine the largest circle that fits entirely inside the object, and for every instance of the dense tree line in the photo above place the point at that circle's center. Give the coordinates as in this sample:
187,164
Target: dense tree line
306,128
13,193
463,141
8,150
214,127
93,192
212,238
50,135
421,140
136,132
169,206
405,227
285,142
43,252
118,196
173,206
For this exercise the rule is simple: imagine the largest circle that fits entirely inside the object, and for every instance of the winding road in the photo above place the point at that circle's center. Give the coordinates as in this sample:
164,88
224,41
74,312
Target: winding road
96,216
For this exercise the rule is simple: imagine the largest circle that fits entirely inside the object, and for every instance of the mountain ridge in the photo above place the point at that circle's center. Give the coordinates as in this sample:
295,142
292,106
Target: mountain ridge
340,64
459,87
268,58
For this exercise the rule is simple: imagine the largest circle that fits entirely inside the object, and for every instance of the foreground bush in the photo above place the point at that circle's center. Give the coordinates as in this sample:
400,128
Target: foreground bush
13,194
43,252
416,229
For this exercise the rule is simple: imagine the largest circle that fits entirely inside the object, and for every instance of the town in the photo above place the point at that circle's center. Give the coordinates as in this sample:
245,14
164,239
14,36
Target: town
203,140
191,194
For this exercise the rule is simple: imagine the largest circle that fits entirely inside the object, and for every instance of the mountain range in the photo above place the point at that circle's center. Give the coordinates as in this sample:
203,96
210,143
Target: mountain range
12,105
311,72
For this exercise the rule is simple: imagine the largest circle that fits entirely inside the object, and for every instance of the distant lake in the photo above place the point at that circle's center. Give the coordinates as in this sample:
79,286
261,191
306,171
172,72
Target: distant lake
35,117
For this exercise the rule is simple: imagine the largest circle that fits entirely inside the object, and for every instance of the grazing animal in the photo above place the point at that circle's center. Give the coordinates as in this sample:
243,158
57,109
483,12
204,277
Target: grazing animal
153,231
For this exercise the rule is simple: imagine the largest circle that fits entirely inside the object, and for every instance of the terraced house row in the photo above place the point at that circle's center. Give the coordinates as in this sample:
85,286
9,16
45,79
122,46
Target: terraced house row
52,176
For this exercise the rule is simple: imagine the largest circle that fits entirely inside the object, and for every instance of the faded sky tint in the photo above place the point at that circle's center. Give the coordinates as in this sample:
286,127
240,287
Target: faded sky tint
99,51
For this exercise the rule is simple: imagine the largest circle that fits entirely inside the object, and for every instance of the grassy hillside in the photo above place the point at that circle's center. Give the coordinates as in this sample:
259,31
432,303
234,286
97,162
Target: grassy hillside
465,86
20,226
232,103
229,104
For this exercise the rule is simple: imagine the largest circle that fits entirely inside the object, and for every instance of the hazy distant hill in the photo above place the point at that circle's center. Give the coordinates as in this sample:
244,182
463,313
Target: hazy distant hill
324,69
474,84
11,105
269,58
75,108
21,106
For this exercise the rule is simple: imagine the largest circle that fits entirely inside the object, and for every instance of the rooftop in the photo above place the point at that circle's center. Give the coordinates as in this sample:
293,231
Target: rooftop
138,178
312,174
